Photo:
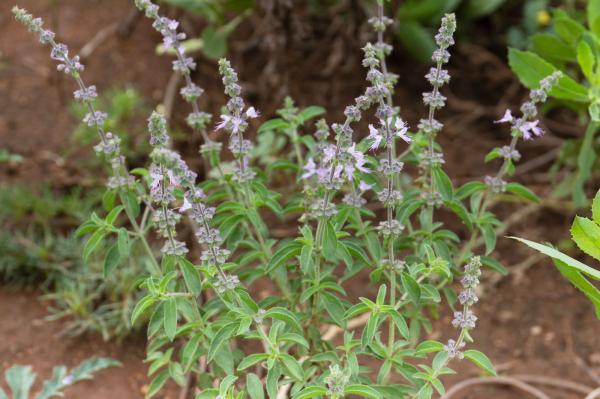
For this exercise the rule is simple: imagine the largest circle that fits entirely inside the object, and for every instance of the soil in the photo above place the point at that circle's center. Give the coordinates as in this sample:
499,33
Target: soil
532,322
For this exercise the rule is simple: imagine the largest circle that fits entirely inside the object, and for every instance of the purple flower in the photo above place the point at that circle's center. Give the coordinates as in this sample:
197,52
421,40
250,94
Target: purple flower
310,168
531,129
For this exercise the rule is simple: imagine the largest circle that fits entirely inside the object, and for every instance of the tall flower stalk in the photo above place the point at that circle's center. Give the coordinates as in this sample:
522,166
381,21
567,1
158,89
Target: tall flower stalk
434,100
109,146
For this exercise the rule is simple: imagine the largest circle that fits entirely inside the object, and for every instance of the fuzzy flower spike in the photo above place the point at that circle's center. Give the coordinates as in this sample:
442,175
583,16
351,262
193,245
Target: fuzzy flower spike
434,100
183,65
234,120
109,144
525,126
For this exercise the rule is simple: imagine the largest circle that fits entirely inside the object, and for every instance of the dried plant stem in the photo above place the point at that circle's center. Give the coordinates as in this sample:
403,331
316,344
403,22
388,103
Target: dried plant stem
533,391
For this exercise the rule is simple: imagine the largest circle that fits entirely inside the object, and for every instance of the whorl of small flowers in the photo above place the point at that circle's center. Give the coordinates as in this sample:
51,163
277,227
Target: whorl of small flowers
336,382
234,120
436,75
337,163
191,92
465,319
109,144
60,51
168,172
526,126
496,184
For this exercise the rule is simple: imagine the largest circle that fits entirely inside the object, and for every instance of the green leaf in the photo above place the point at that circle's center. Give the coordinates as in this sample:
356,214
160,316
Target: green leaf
284,253
335,308
478,8
555,254
586,59
92,244
86,228
190,275
400,323
273,124
480,360
272,377
596,208
411,286
468,189
494,264
593,12
221,338
108,199
251,360
170,318
442,183
310,112
551,47
86,368
284,315
581,283
568,29
123,243
254,386
585,163
157,383
531,69
370,329
292,366
214,42
416,39
459,209
20,379
429,346
521,191
311,392
111,260
329,240
132,206
114,214
141,307
586,234
362,390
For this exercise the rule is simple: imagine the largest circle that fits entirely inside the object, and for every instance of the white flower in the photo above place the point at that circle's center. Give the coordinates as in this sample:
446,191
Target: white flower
186,205
506,118
252,113
362,186
375,136
400,129
230,122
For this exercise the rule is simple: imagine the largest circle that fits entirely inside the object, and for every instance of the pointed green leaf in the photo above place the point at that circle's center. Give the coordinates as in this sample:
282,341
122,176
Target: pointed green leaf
586,235
170,318
254,386
480,360
362,390
555,254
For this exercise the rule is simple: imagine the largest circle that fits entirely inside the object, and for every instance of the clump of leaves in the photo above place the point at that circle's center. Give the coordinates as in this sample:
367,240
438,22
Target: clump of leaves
20,379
